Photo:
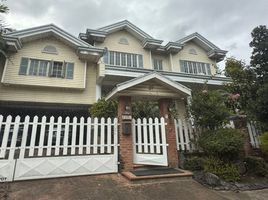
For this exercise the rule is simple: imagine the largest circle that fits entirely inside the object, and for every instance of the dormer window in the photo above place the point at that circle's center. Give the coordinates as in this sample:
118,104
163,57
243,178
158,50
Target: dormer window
192,51
123,40
50,49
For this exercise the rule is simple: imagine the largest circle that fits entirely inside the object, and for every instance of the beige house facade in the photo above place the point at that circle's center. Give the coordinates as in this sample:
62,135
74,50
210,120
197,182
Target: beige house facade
48,68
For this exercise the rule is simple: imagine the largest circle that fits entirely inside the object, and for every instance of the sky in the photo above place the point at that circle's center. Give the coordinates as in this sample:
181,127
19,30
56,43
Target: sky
226,23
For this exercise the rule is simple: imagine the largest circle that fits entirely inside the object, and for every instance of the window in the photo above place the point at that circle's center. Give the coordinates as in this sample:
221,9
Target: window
123,59
57,70
35,67
195,67
158,64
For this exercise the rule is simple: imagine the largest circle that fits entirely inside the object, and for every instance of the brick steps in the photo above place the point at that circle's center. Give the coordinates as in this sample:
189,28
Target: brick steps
150,178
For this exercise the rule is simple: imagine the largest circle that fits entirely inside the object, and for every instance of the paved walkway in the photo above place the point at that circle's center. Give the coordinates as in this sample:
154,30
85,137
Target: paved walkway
116,187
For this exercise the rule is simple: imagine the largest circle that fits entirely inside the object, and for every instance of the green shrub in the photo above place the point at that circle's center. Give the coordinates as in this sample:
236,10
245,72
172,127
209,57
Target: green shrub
103,108
264,142
194,163
225,144
256,166
225,170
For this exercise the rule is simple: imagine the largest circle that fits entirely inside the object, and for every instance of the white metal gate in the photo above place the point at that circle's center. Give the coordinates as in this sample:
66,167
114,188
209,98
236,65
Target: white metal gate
33,149
149,138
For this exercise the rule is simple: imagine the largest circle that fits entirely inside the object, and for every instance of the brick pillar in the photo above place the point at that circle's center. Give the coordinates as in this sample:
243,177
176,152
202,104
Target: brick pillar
125,141
172,152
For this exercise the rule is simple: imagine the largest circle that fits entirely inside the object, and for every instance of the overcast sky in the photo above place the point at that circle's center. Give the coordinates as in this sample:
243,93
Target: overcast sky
227,23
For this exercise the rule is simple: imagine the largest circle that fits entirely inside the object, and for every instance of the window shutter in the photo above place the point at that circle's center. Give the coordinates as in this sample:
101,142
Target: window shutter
160,65
50,70
140,61
70,70
23,66
182,66
63,72
105,57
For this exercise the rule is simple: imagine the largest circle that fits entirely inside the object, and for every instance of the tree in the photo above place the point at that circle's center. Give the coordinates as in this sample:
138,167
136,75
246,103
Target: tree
208,109
259,62
103,108
3,9
243,84
259,58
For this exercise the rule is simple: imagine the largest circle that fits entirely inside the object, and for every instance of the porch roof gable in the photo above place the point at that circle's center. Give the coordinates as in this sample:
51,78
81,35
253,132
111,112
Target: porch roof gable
153,75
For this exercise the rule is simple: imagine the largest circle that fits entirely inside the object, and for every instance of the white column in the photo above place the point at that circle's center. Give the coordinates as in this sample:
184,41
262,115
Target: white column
171,62
4,71
98,92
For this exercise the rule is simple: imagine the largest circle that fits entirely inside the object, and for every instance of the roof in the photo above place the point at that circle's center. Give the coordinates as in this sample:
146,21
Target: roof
149,76
16,38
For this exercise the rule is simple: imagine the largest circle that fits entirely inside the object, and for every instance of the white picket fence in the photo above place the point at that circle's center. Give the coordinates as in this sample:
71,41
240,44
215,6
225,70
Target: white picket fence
186,133
45,148
254,134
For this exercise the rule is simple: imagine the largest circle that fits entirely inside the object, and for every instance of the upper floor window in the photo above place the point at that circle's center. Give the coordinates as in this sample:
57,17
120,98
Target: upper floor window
195,67
36,67
158,64
50,49
123,59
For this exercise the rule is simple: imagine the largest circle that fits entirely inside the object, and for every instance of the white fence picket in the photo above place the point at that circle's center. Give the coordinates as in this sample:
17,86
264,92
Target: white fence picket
24,136
109,135
163,135
58,136
95,143
66,136
157,139
88,135
81,136
74,135
14,138
42,135
33,136
5,137
50,135
151,135
139,135
145,136
102,135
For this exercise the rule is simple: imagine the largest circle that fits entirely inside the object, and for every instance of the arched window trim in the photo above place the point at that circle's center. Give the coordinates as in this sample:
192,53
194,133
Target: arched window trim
123,40
192,51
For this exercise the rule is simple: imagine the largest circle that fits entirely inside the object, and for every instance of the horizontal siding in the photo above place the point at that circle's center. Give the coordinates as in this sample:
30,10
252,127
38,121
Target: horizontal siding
52,95
34,50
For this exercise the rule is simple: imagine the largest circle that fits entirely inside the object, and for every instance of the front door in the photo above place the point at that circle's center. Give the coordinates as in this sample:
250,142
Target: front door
149,142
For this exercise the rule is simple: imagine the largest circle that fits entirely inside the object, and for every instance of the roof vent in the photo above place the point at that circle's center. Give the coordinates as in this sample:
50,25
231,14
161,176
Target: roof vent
50,49
192,51
123,40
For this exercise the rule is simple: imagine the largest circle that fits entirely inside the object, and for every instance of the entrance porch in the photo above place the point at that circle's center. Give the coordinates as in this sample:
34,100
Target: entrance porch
153,141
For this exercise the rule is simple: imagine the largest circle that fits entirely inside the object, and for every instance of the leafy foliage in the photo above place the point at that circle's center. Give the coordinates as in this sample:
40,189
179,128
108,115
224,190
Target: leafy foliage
225,170
225,143
208,109
141,109
194,163
243,83
256,166
103,108
264,142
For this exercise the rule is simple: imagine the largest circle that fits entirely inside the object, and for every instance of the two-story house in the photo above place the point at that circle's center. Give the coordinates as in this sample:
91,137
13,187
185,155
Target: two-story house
50,70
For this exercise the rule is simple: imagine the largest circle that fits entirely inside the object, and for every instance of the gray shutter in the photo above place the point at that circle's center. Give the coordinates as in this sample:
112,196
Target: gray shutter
23,66
50,70
70,70
63,72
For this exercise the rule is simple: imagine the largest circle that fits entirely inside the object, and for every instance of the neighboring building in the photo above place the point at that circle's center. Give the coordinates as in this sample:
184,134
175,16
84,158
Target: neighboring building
49,69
